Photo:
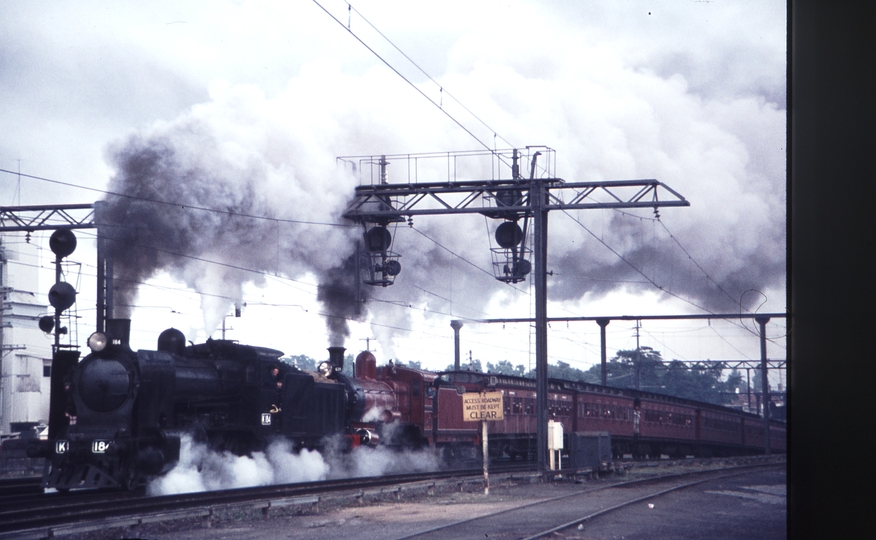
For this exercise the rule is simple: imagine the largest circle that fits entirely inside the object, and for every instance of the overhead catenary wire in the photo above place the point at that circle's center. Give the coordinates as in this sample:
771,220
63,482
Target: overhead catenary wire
648,278
442,91
397,72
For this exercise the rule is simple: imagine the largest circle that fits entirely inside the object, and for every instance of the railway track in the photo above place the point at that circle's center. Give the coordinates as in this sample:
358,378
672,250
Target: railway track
59,514
12,486
551,517
12,490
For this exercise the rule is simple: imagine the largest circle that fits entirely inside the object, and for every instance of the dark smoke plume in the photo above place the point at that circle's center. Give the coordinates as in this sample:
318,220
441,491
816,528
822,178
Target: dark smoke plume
344,297
181,204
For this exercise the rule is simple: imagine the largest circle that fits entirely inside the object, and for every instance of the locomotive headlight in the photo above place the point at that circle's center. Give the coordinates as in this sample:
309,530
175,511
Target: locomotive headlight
97,342
325,368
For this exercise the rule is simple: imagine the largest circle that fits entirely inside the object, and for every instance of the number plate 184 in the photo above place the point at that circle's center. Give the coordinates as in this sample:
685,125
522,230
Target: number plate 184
99,447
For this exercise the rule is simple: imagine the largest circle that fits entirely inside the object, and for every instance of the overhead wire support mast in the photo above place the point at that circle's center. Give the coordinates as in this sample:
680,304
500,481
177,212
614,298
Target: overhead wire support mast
68,216
372,203
46,217
510,199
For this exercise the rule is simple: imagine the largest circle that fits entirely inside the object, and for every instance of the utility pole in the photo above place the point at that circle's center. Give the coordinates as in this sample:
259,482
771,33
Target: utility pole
765,384
381,202
603,322
638,359
367,341
456,325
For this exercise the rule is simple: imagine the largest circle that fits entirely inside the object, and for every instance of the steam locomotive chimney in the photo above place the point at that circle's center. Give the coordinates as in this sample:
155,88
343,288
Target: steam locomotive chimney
336,357
118,332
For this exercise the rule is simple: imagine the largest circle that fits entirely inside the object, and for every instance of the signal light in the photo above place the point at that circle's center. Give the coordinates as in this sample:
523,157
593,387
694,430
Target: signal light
62,295
392,268
62,242
378,239
509,234
47,322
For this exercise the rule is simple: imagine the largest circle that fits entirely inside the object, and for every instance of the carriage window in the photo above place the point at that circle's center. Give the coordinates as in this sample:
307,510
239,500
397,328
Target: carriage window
591,409
653,416
415,388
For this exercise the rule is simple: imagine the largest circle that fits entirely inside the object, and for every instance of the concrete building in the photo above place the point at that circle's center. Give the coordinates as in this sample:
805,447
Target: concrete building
25,350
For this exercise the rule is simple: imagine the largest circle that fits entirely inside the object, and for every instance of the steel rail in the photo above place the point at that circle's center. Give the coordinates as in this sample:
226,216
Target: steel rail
713,474
70,510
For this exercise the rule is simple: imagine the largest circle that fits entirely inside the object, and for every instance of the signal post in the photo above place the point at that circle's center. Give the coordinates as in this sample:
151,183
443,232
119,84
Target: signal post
483,407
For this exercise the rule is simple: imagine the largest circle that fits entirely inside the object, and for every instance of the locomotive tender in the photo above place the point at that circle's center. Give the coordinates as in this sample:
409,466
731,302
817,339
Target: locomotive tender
117,417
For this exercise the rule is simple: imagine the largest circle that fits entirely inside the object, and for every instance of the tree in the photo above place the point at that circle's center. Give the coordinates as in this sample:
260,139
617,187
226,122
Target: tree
700,384
413,364
639,369
302,361
349,366
674,378
473,365
307,363
618,374
504,367
564,371
735,382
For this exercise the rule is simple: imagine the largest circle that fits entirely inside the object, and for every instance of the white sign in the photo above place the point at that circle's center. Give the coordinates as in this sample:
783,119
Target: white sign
555,435
486,406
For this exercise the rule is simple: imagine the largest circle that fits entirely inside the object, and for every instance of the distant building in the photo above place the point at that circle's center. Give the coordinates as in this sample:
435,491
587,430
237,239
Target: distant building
25,350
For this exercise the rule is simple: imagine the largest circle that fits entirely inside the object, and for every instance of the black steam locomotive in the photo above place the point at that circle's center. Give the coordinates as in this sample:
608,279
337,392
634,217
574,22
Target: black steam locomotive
117,416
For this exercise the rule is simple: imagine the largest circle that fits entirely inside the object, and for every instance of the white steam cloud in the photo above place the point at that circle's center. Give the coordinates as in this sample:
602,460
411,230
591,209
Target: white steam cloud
202,469
605,111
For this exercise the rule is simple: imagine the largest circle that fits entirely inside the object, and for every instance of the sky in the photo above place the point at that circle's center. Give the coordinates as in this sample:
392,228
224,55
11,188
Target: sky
243,107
